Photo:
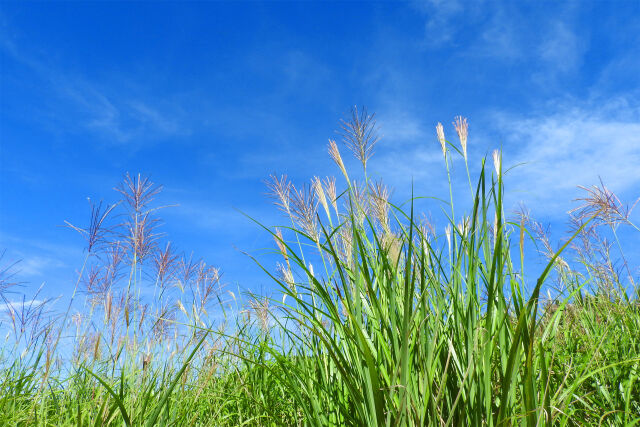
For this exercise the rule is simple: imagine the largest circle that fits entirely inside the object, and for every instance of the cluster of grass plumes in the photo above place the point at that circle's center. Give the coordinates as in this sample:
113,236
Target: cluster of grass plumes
399,324
384,317
144,328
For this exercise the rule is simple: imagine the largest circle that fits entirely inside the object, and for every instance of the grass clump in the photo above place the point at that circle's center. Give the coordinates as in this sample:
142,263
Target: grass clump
383,318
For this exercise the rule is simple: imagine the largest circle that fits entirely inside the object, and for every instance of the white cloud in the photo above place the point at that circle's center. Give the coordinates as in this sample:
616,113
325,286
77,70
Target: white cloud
568,148
400,127
439,15
32,266
508,33
214,219
31,255
70,100
500,37
18,305
561,47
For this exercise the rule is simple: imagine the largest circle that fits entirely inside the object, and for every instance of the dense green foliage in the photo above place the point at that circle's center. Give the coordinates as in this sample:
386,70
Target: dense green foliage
396,324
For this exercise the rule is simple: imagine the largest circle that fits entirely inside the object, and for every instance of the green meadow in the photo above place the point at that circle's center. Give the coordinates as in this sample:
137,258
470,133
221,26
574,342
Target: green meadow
383,315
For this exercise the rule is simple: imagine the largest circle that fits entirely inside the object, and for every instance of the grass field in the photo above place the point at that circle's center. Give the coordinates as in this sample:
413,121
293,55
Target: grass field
381,318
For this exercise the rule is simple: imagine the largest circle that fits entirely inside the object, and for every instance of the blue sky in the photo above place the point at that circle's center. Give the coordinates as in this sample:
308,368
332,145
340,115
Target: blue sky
208,99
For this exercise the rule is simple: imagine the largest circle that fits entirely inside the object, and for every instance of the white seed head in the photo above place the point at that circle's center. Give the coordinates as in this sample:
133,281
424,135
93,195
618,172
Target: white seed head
462,128
497,161
443,142
447,232
334,153
284,271
463,226
281,246
330,190
317,187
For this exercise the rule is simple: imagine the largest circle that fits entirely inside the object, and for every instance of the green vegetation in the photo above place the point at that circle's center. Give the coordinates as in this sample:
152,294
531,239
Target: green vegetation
381,319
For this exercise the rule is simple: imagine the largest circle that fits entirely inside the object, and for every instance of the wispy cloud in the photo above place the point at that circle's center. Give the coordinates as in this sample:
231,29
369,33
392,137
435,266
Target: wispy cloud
572,147
33,266
211,218
398,127
35,261
560,47
440,15
508,33
71,101
18,305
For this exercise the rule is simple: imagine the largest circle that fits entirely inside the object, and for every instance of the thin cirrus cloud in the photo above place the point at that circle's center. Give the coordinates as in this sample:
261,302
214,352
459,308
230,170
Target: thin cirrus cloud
506,33
18,305
560,47
440,18
70,101
35,266
573,147
30,262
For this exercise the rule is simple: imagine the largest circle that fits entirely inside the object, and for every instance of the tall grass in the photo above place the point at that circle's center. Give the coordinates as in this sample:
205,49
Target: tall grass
382,318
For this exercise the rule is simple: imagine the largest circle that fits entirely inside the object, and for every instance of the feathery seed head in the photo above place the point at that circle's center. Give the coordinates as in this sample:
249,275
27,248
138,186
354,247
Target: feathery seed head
165,264
303,210
393,245
165,315
93,284
360,204
279,189
497,160
360,134
330,189
260,308
115,253
207,284
443,142
95,232
108,303
146,361
284,271
141,235
77,319
281,246
462,128
127,318
447,232
427,228
317,187
188,269
334,153
603,202
346,243
96,346
380,195
138,192
463,226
